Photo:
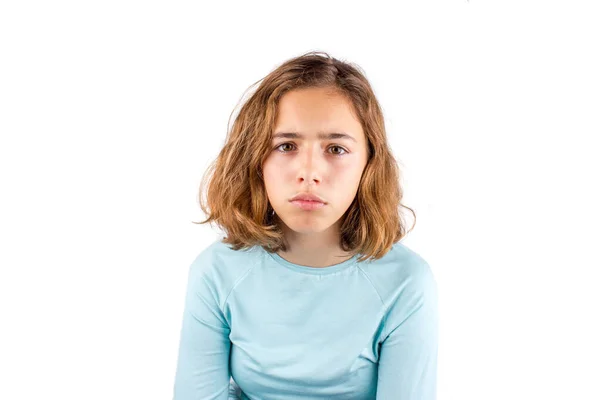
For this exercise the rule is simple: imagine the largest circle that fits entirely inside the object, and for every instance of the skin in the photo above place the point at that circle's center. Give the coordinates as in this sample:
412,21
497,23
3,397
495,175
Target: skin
329,168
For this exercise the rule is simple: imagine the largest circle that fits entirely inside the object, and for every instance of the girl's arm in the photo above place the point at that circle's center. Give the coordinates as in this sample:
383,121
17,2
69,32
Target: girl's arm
203,360
408,358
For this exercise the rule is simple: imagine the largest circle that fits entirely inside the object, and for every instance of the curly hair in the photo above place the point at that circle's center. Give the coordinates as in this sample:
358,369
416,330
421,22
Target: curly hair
236,196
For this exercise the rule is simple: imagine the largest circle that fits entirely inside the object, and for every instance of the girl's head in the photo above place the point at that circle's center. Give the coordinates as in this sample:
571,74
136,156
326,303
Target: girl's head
313,125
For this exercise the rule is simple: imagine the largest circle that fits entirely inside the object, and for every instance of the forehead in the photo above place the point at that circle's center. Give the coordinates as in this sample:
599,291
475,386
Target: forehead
318,112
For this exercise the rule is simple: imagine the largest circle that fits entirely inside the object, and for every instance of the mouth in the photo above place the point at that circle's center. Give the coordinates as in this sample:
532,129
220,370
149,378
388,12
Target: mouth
308,205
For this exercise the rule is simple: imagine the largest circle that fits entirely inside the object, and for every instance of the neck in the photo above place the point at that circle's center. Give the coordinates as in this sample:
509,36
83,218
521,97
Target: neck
316,250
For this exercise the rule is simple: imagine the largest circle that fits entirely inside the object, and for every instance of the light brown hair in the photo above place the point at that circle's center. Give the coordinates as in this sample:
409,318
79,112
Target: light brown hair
236,197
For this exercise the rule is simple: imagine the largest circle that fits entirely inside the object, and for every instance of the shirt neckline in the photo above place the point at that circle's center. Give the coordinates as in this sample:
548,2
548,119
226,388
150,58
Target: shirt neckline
314,270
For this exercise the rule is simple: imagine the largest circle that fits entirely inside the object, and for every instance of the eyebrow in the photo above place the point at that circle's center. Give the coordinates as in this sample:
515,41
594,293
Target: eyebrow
322,136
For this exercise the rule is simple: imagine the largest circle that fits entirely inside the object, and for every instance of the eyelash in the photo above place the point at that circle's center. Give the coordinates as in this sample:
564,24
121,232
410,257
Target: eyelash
335,155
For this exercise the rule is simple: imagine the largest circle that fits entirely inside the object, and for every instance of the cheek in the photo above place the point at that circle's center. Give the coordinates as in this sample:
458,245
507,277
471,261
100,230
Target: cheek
273,174
345,182
346,173
272,164
274,179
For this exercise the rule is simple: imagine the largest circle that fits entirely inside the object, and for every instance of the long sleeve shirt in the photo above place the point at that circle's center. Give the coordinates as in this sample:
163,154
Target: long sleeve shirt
256,326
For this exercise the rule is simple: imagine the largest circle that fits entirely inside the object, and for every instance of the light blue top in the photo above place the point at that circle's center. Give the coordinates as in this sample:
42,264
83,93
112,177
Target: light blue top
258,327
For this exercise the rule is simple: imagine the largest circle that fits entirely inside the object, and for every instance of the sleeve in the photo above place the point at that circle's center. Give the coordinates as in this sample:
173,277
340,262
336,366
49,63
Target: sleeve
203,357
408,355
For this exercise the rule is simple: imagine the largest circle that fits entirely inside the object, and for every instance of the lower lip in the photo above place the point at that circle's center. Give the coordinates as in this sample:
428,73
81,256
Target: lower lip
308,205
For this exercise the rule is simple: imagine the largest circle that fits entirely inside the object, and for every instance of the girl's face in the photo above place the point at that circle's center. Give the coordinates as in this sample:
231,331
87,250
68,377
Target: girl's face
303,159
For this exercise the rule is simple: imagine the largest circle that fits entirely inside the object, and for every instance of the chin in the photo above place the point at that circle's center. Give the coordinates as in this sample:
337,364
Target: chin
306,224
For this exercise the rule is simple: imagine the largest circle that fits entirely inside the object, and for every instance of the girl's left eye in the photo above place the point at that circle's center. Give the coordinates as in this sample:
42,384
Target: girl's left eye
334,146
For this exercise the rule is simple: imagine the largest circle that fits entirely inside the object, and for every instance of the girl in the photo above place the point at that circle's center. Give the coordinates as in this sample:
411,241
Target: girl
310,295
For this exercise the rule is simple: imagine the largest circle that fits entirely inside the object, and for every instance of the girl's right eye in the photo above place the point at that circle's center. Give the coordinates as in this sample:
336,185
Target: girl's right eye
283,144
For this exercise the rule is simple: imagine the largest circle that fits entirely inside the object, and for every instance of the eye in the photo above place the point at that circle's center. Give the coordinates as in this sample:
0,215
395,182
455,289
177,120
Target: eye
339,147
283,144
336,154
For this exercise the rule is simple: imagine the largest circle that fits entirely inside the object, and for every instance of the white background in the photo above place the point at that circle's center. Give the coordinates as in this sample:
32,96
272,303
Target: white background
111,111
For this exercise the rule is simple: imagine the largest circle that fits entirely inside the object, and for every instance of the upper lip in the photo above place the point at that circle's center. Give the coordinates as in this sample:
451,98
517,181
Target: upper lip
308,196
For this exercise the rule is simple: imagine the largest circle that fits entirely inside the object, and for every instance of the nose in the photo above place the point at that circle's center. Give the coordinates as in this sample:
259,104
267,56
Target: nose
310,169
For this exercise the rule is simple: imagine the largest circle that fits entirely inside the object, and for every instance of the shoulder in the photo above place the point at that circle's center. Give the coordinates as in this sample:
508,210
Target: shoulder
220,255
408,290
220,267
401,273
